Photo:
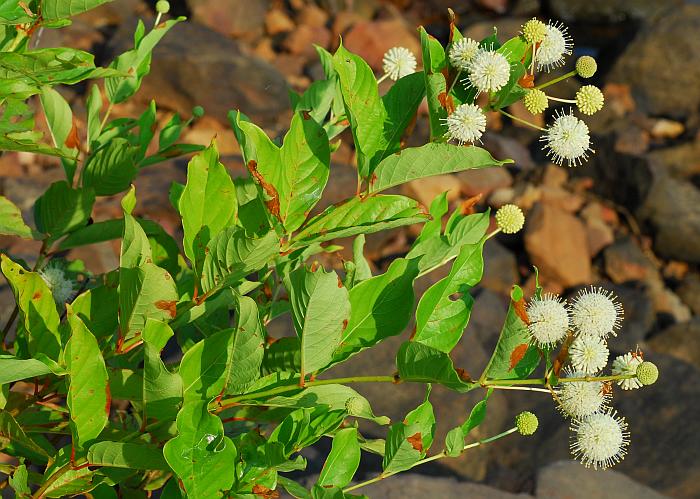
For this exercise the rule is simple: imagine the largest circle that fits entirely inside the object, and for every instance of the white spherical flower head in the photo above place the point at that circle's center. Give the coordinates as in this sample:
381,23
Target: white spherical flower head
556,45
399,62
588,354
462,52
489,71
579,399
62,288
599,440
549,320
595,312
466,124
627,364
567,140
510,219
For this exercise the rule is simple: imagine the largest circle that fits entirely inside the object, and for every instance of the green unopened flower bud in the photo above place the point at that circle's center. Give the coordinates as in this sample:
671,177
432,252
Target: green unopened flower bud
197,111
510,219
535,101
586,66
162,6
534,31
647,373
526,422
589,99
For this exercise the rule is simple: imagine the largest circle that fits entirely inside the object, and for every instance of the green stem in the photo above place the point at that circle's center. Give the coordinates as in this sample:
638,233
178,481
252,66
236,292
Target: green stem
452,85
489,236
555,80
104,120
292,388
543,381
440,455
520,120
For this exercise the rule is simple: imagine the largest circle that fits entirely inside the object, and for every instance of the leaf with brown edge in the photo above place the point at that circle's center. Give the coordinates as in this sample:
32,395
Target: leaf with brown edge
273,201
517,354
169,305
416,441
264,492
520,310
72,140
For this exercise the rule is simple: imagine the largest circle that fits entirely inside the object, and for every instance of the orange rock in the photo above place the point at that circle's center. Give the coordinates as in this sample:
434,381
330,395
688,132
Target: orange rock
371,39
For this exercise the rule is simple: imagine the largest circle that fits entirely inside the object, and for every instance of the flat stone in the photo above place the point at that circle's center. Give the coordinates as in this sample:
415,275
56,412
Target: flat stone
415,486
681,340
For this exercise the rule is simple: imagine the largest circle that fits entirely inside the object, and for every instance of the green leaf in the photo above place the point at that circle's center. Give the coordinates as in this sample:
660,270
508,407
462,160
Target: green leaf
514,357
14,369
363,107
98,309
207,204
233,254
11,222
435,84
111,168
380,307
444,309
11,433
11,12
18,482
88,390
59,117
304,427
321,309
135,62
94,106
434,60
431,159
409,440
27,142
37,309
362,268
293,488
343,460
146,291
162,390
293,176
247,347
424,364
126,455
454,442
52,10
61,210
401,104
135,248
317,99
477,415
201,455
360,216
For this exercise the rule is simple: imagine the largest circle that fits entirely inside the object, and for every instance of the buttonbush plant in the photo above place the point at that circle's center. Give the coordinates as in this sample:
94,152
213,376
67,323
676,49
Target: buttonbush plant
90,404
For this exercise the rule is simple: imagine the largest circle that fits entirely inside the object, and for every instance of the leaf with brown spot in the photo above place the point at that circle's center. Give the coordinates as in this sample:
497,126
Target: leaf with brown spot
447,102
519,308
467,207
264,492
517,354
463,375
273,201
72,140
169,305
527,81
416,441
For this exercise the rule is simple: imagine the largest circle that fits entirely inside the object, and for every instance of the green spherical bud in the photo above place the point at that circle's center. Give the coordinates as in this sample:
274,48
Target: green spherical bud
647,373
355,406
162,6
197,111
510,219
534,31
535,101
526,422
586,66
589,99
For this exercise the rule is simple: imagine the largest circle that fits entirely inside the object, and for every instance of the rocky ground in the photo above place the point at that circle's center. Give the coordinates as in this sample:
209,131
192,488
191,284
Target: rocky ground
629,220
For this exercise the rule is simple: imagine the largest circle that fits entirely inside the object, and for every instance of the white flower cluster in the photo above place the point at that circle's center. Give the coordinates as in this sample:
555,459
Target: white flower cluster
61,286
599,437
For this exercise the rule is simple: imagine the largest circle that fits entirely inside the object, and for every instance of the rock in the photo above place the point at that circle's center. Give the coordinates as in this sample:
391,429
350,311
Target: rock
680,340
570,480
371,39
639,316
666,129
681,161
664,434
625,261
484,180
554,176
662,64
193,65
561,198
231,17
689,292
673,210
502,147
500,268
313,16
598,232
557,244
303,38
632,140
501,196
415,486
277,21
592,11
426,189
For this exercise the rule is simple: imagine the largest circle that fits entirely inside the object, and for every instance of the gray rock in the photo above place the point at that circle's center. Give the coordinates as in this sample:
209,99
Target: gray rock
681,340
681,161
414,486
689,292
662,64
673,210
570,480
639,317
193,65
500,268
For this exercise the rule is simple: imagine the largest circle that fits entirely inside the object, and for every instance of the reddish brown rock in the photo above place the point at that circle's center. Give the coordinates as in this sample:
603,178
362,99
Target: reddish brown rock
231,17
371,39
557,244
301,40
484,181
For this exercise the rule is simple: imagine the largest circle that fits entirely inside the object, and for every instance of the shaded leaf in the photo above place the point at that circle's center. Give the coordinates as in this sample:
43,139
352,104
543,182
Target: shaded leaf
126,455
11,222
423,364
61,209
